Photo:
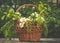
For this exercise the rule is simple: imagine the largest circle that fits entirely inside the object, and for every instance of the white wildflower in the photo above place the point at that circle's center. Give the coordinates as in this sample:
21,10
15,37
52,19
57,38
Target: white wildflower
36,14
30,18
22,25
33,7
13,18
32,14
23,19
22,22
23,6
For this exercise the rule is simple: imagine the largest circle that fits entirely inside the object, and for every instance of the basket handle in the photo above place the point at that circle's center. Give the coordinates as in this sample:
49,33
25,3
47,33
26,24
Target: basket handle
26,5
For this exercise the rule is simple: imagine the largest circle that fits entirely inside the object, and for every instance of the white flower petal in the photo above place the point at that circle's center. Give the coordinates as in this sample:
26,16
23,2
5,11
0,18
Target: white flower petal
32,14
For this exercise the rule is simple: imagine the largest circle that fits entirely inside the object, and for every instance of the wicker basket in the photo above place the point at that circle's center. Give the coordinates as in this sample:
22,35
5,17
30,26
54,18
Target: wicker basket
33,35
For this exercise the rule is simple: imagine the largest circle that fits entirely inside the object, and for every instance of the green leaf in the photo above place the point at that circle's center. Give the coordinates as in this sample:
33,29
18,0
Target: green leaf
3,17
6,33
45,31
8,15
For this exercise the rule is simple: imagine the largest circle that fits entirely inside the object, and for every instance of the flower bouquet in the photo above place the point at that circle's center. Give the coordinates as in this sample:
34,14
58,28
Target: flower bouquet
29,28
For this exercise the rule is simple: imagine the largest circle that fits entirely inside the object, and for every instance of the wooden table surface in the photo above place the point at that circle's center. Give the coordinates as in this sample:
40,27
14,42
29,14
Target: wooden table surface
42,40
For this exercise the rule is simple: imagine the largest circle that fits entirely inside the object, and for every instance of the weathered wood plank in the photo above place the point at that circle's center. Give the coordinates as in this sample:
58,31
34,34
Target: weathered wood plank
42,40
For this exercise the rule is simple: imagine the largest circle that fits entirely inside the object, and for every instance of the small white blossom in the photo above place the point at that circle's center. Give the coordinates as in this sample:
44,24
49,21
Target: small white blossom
22,25
32,14
36,14
23,6
13,18
33,7
23,21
